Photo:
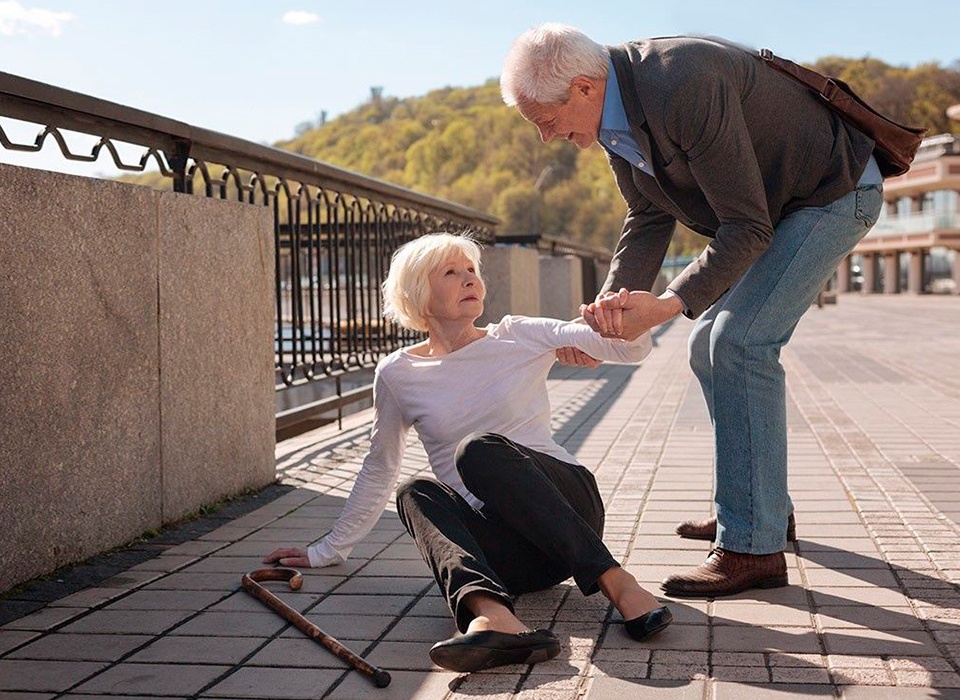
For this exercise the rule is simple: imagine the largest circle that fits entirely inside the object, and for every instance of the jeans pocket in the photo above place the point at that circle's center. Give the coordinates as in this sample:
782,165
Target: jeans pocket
869,202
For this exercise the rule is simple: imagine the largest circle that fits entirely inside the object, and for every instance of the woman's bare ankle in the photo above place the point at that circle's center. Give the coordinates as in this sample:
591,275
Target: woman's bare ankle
491,614
628,596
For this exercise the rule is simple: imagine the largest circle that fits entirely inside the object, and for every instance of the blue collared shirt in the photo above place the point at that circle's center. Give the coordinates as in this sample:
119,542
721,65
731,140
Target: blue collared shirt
615,134
871,174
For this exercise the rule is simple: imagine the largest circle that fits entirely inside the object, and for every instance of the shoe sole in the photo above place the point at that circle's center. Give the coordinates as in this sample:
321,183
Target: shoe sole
771,582
466,659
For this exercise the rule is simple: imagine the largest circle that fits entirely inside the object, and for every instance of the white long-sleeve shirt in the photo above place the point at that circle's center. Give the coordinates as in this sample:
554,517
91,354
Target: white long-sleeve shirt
495,384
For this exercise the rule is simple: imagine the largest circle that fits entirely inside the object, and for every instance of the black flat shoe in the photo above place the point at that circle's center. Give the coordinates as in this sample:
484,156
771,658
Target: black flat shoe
651,623
476,651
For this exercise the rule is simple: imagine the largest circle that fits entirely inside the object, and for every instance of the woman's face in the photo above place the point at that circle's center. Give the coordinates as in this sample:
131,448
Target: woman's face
456,291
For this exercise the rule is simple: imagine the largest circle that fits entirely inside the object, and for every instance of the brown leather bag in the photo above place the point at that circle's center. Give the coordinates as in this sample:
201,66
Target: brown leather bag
896,144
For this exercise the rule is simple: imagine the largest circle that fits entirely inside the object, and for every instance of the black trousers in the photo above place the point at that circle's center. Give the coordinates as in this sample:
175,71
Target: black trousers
541,522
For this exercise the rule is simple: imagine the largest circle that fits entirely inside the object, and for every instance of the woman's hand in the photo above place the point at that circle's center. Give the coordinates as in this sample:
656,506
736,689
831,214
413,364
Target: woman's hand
572,357
288,556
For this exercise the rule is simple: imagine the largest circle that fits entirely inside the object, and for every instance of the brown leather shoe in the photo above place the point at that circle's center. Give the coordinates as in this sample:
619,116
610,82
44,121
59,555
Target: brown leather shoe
707,529
725,573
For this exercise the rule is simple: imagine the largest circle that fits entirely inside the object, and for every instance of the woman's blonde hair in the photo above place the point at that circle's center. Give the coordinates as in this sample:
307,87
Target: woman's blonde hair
406,291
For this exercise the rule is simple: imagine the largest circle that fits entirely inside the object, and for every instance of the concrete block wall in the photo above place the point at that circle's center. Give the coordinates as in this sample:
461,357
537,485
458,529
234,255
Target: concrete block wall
512,277
136,362
561,286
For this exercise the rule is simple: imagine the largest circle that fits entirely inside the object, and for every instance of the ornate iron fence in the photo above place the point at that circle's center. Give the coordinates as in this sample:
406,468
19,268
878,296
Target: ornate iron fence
334,230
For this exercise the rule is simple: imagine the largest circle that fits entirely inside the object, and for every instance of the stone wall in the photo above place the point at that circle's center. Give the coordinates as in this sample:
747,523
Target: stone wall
561,286
512,276
136,379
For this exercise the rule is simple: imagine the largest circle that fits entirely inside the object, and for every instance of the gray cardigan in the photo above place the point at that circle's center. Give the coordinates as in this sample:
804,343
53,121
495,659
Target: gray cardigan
734,148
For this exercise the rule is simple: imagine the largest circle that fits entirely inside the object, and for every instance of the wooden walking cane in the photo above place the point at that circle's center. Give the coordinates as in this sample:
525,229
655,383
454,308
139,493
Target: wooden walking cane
250,584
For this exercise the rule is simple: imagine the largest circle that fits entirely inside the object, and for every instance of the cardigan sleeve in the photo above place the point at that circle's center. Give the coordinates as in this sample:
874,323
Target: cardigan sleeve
375,482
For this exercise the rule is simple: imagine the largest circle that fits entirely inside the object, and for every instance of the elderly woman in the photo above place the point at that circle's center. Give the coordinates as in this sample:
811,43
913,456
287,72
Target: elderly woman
510,510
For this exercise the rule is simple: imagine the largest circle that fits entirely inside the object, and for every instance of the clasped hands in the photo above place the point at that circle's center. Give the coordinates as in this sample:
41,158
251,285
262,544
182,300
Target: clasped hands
628,315
624,314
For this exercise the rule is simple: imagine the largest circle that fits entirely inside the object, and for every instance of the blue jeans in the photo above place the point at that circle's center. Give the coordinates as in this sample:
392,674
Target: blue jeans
735,353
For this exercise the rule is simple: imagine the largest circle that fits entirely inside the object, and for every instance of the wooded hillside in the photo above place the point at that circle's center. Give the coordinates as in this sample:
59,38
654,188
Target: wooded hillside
465,145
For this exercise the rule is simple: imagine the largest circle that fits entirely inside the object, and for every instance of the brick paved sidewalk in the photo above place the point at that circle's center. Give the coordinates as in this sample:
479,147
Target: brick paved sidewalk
872,612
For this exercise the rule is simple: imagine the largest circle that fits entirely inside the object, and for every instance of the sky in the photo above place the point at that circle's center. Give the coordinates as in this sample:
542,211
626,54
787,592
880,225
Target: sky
257,69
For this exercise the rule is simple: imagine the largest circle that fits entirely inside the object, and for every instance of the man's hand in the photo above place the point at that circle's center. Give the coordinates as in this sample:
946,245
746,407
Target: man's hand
288,556
607,321
639,312
576,358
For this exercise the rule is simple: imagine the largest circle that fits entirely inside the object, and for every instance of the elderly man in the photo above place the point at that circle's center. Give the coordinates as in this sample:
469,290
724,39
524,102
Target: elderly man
703,132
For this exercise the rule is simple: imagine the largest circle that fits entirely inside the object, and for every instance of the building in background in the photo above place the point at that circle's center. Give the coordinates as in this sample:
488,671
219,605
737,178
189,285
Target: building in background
914,245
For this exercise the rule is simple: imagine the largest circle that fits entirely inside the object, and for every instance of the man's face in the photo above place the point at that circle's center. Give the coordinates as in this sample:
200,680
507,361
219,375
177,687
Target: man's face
576,120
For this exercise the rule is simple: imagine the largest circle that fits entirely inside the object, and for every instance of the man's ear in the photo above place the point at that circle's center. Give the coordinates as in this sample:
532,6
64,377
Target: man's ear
587,87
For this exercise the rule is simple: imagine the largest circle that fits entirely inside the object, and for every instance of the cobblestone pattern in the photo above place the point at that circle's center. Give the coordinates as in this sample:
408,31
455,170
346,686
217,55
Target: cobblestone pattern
873,609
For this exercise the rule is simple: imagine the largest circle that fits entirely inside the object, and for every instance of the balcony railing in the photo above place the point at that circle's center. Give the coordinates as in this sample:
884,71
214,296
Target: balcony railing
334,230
920,222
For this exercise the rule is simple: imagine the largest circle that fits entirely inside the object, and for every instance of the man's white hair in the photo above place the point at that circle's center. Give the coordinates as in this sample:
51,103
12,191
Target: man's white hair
543,61
406,291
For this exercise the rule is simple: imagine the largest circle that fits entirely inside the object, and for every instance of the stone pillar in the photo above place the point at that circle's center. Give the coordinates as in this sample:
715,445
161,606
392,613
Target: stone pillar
561,286
513,282
869,266
891,272
956,272
915,275
843,276
119,308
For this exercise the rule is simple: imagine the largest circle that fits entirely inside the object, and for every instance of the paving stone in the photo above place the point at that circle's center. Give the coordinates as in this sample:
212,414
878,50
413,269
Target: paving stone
682,637
154,679
865,641
789,639
742,674
620,669
787,674
864,677
932,679
759,614
231,624
45,619
197,650
301,652
868,616
362,605
421,629
741,659
44,676
404,685
149,622
293,683
166,600
9,639
619,688
87,598
244,602
779,691
485,685
866,596
81,647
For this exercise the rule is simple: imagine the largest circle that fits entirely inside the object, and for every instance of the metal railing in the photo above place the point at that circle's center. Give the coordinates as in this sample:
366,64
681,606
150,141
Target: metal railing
919,222
334,230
